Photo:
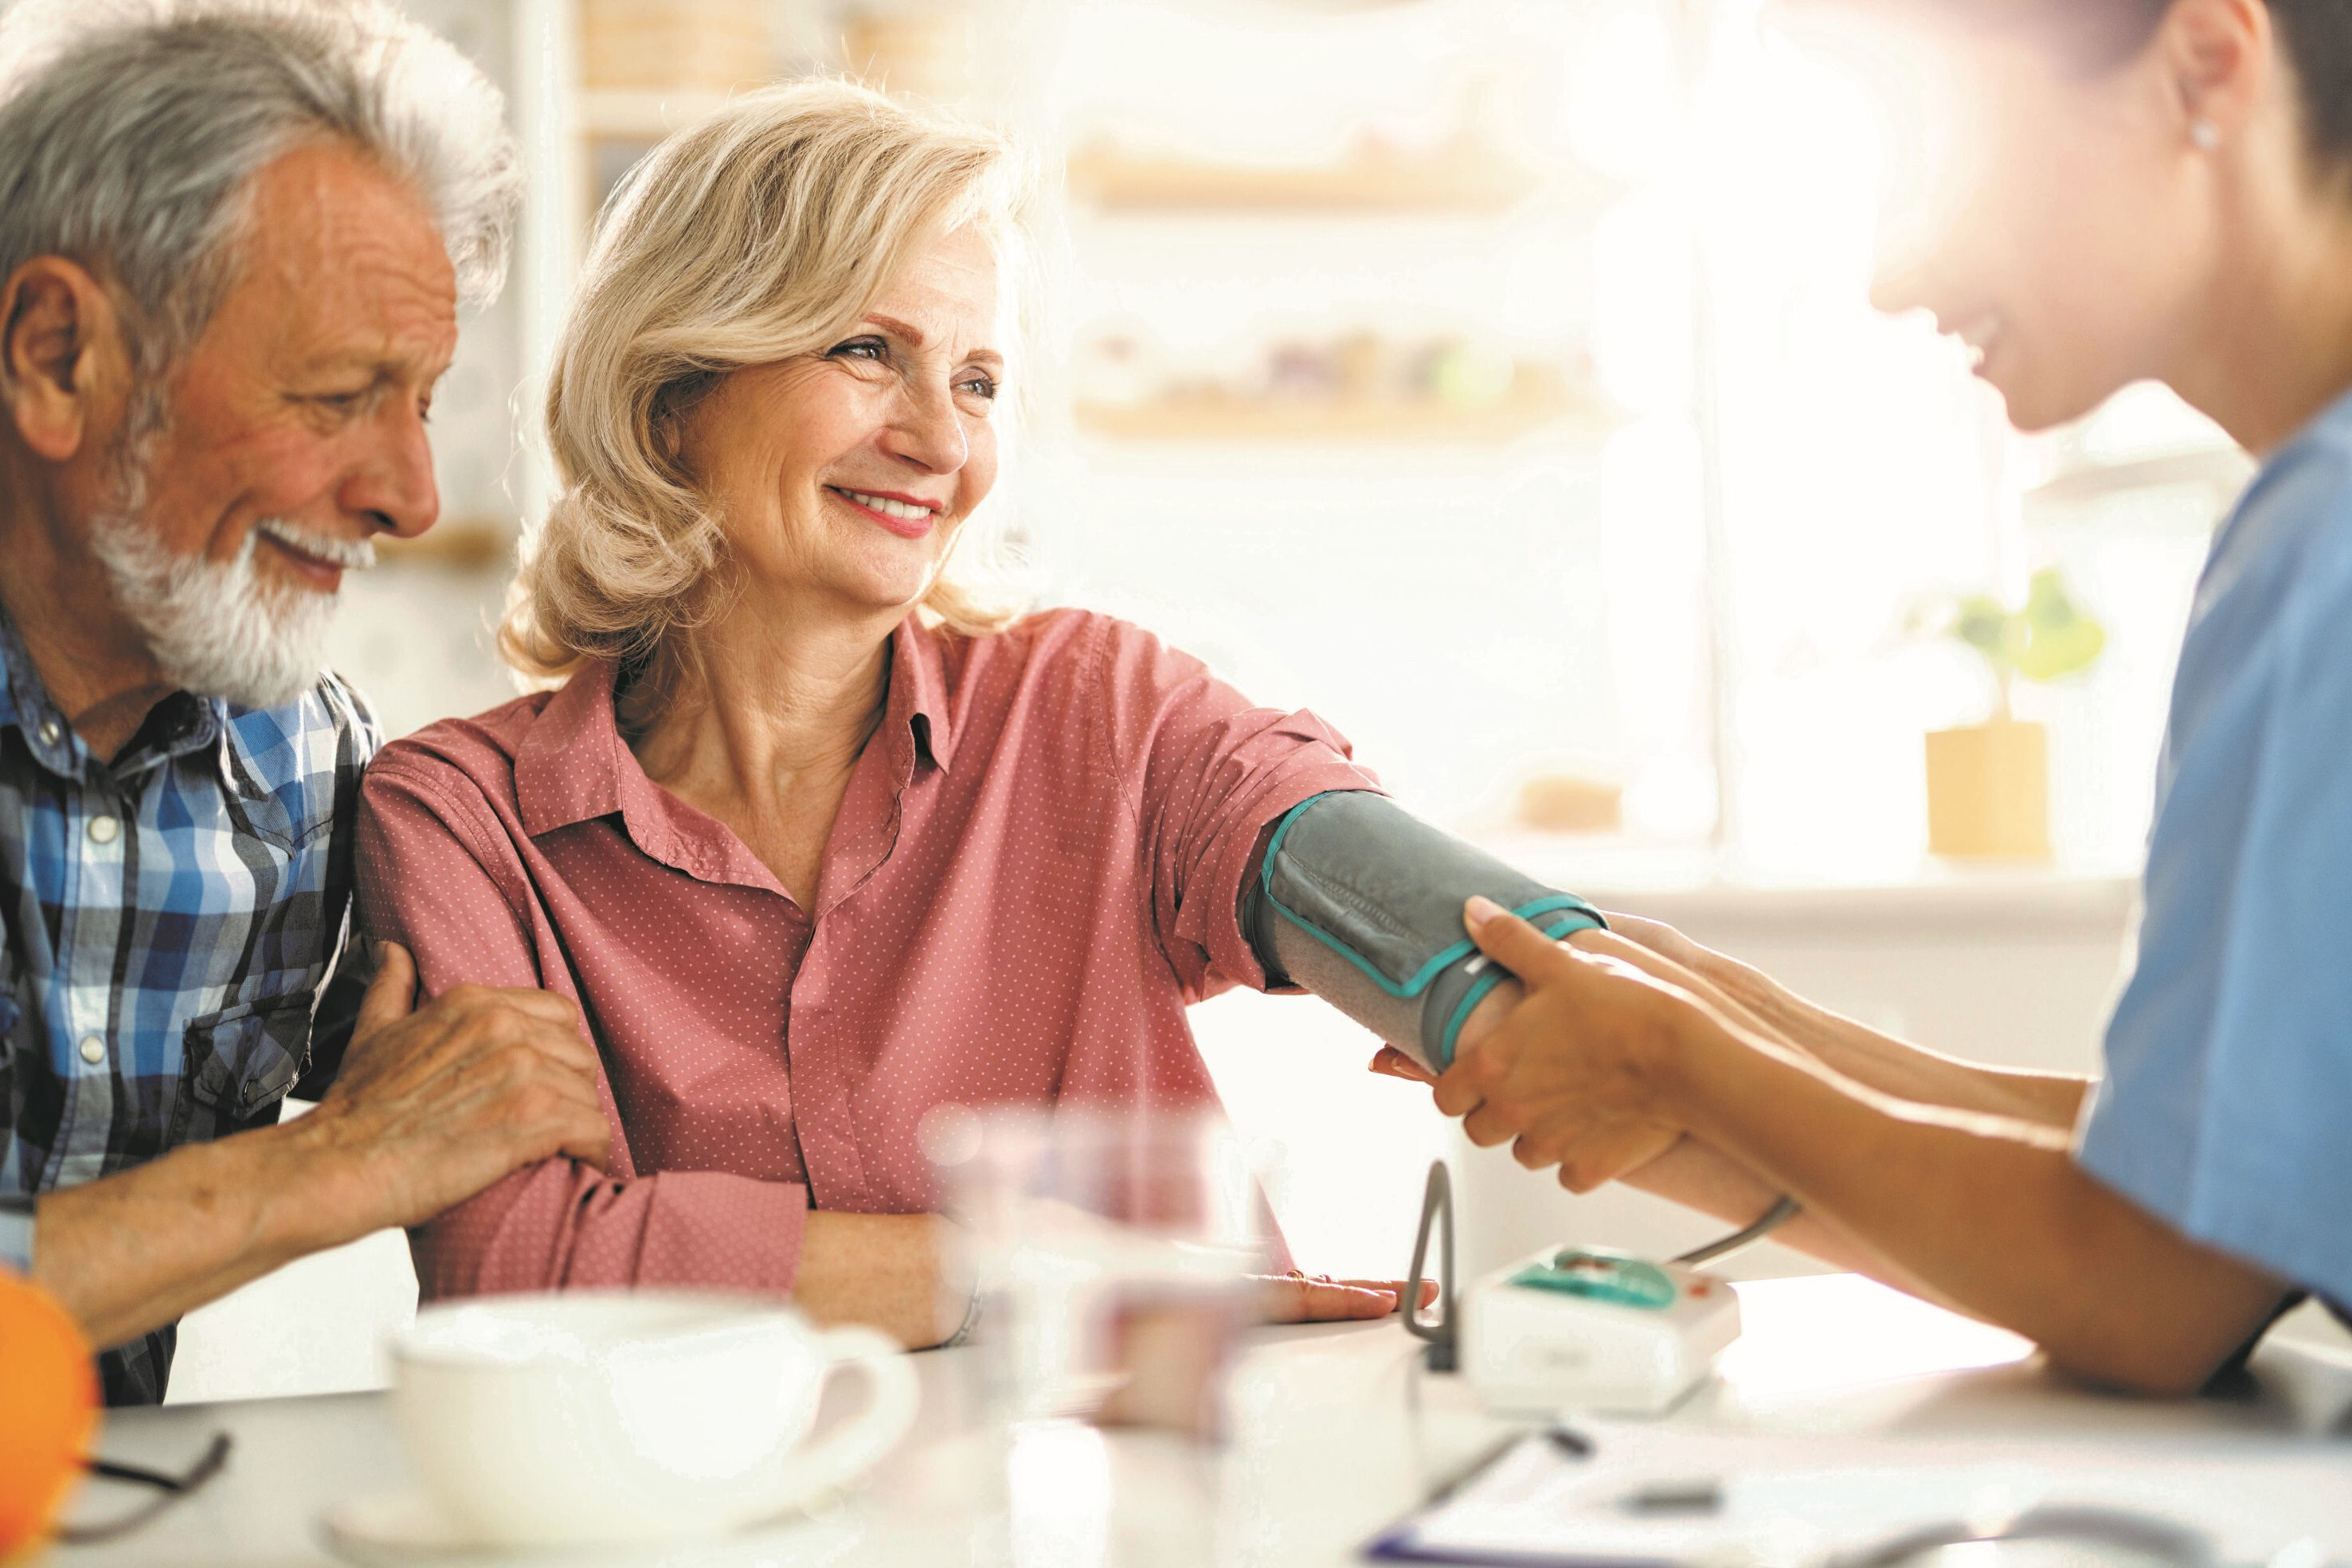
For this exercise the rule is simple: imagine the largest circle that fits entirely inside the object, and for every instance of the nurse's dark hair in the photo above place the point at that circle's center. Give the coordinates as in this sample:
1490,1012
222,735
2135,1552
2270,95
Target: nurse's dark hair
2316,36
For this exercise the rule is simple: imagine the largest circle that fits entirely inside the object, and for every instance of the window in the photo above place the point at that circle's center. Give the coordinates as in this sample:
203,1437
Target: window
1687,581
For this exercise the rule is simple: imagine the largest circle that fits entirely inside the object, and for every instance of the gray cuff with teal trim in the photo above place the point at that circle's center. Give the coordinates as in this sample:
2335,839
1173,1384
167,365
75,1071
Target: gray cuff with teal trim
1362,902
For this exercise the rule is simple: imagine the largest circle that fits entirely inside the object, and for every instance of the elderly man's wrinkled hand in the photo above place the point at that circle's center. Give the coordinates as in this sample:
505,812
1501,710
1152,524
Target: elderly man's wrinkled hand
1579,1074
435,1103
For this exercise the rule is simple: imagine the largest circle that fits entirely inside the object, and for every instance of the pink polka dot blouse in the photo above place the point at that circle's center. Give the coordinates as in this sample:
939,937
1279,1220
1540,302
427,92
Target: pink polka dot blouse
1034,869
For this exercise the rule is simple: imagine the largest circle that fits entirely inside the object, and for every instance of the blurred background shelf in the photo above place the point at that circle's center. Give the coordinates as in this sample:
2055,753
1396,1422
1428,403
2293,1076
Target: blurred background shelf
2222,470
659,45
1460,179
1204,418
457,544
645,114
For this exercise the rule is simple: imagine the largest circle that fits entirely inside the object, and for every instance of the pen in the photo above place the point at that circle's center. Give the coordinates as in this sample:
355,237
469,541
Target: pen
1564,1440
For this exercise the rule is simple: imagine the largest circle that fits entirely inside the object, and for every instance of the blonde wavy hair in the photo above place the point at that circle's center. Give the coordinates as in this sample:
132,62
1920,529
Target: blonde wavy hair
760,233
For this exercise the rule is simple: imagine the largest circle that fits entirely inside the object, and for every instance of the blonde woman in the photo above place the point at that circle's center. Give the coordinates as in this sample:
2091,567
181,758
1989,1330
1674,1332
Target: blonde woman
815,841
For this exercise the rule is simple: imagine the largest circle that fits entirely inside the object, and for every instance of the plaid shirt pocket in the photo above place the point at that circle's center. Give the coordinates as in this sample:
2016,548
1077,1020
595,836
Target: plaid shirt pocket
240,1062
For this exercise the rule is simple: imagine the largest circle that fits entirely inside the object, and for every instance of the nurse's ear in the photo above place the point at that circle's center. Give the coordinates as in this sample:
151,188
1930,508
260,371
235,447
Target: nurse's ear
2222,64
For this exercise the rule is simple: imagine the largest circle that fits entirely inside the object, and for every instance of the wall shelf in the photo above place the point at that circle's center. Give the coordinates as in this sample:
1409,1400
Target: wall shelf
1208,416
1454,181
645,116
460,544
2224,470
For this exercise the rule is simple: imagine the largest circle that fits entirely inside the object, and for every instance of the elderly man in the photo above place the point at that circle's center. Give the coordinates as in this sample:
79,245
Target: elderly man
234,239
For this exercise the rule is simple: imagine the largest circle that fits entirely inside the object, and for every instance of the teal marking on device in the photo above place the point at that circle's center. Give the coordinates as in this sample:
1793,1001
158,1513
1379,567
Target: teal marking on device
1603,1274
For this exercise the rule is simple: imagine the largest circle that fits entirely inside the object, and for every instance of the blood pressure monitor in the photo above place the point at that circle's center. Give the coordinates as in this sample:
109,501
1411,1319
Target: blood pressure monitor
1578,1328
1586,1328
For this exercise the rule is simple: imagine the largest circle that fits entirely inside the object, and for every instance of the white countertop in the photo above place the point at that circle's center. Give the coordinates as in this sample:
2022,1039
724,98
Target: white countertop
1338,1432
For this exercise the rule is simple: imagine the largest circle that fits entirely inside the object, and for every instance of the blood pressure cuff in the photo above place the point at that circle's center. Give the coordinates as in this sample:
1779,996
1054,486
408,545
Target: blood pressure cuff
1361,903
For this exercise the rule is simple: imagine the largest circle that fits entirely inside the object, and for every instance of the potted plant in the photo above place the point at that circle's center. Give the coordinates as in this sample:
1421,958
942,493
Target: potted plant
1988,784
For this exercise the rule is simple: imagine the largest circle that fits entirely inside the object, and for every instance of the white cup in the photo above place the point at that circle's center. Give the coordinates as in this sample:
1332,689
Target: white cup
610,1415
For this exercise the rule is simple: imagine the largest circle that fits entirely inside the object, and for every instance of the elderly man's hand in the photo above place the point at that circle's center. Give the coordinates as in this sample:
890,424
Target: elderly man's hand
435,1103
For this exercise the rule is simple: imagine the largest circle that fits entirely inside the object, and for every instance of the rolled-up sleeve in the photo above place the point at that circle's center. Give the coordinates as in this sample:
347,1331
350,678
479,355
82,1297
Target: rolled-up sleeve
435,874
1206,771
17,1234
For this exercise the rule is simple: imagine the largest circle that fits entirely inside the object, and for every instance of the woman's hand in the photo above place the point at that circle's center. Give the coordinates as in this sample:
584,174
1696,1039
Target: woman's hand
1393,1063
1293,1297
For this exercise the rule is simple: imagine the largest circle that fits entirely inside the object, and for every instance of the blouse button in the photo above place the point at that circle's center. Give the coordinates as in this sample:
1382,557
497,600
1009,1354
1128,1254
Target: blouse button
103,829
93,1049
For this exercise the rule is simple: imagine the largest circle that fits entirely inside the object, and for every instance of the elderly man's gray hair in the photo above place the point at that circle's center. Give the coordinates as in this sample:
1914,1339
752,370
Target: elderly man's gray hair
131,131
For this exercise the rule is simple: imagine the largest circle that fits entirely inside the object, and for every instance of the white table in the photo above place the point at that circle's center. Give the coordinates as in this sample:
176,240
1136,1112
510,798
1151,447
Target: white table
1338,1432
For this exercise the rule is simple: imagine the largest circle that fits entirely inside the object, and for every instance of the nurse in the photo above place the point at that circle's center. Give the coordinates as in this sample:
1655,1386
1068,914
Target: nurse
2165,193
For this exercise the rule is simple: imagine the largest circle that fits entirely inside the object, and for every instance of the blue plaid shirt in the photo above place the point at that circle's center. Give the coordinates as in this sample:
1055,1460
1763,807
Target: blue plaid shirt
171,919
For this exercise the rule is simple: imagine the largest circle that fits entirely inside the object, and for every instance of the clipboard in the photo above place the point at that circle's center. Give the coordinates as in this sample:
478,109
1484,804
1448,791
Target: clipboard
1505,1475
1660,1501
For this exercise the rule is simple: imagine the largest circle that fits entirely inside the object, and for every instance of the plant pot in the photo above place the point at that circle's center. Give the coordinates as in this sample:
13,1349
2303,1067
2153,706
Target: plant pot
1988,792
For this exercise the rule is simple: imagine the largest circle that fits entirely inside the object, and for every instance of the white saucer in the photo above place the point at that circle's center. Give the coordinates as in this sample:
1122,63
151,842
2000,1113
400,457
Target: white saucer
408,1529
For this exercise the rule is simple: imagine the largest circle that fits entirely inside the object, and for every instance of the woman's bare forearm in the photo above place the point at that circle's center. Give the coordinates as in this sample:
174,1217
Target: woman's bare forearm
902,1273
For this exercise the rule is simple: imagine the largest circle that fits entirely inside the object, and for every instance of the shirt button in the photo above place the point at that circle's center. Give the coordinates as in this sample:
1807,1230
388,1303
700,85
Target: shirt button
103,829
93,1049
51,732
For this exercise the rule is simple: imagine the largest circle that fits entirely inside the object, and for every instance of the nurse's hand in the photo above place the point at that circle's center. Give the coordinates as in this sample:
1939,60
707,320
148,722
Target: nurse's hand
1747,996
1738,993
1580,1074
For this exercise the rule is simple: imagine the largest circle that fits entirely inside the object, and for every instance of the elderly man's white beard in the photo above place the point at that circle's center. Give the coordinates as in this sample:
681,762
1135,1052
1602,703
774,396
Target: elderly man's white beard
214,628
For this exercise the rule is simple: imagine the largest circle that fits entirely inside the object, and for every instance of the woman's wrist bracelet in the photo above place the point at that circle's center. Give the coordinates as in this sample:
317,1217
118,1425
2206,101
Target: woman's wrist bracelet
970,1321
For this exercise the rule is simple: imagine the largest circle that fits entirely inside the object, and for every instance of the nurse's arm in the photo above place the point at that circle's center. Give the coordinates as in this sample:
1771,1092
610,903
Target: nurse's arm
1985,1211
1697,1176
1684,1170
1856,1050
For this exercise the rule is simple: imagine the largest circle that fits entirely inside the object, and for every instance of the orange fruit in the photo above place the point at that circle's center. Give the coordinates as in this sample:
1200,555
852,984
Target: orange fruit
49,1411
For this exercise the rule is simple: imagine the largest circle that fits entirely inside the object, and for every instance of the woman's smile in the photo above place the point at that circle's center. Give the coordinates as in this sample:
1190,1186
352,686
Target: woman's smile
903,515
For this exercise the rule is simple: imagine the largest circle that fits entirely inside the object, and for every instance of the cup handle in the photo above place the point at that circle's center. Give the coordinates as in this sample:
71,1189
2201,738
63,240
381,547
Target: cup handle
891,1397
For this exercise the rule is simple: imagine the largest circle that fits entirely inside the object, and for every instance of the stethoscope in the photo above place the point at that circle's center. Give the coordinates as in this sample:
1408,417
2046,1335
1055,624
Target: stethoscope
2053,1537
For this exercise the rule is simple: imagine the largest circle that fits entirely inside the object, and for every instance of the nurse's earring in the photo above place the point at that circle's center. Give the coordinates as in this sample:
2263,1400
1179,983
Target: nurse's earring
2204,135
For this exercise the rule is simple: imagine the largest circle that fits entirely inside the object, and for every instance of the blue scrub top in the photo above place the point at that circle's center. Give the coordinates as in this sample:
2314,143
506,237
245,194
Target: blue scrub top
2227,1104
